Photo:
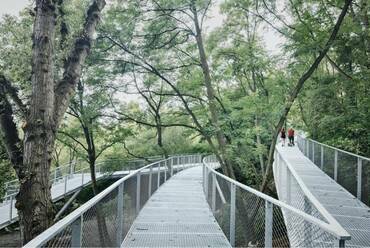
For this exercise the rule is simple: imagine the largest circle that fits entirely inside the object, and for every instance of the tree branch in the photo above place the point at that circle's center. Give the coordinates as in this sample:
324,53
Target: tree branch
73,138
13,93
73,66
9,133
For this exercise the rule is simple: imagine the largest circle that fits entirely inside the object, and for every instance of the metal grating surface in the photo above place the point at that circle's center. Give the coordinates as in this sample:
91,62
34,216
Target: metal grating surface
350,212
177,215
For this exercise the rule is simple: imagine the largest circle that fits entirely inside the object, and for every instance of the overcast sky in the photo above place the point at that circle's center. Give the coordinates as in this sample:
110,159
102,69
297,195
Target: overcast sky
272,40
12,6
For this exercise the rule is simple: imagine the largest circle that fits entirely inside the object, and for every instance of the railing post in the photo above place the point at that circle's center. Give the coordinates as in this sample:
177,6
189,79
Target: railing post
206,183
82,180
150,181
165,170
308,149
138,184
288,184
268,223
11,208
213,192
120,215
159,175
76,240
313,152
55,175
341,243
65,184
336,165
203,176
322,157
359,178
171,166
232,214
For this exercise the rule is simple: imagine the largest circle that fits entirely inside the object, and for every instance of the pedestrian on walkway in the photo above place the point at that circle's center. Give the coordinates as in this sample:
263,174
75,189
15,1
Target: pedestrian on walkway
291,136
283,136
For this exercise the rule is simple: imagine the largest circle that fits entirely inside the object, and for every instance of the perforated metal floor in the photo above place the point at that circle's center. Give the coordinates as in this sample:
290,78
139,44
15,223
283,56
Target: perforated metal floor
351,213
177,215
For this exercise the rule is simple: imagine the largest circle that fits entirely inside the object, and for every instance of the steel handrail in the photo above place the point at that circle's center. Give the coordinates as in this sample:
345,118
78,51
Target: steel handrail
335,148
340,234
70,218
320,208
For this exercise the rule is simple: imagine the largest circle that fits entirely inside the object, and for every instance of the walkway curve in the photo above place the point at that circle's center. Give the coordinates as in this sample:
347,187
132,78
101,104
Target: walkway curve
177,215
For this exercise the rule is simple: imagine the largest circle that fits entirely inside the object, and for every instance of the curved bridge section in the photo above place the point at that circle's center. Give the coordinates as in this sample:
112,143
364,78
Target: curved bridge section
105,220
302,184
137,212
65,180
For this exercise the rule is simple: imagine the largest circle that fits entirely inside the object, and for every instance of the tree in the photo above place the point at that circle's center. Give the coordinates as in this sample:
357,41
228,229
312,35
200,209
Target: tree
31,157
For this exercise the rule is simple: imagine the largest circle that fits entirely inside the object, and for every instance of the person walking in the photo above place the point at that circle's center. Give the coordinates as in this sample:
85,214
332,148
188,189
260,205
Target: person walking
283,136
291,136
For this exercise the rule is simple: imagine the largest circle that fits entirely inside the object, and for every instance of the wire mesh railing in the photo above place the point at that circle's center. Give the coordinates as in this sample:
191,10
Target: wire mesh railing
293,191
250,218
348,169
58,174
66,179
105,220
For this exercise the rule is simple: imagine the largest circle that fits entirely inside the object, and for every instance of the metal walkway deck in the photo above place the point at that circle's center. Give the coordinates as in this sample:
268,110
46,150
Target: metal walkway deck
347,210
177,215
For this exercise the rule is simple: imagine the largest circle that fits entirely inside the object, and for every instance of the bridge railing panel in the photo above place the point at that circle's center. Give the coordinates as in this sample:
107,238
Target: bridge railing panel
105,219
350,170
250,218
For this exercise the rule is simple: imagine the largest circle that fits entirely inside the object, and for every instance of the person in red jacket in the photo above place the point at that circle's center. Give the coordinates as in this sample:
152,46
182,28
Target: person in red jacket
291,136
283,136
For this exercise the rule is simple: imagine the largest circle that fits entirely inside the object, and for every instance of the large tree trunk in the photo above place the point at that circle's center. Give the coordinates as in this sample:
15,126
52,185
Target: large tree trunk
221,139
34,202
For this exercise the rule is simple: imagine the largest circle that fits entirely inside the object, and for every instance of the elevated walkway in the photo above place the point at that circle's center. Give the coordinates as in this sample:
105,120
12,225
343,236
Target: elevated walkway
177,215
295,173
60,189
62,186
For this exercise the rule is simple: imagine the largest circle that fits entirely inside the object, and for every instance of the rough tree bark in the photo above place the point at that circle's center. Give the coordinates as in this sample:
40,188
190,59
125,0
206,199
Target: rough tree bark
34,204
44,115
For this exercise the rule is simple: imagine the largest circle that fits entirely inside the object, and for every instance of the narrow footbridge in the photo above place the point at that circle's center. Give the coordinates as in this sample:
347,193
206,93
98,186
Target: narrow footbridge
183,201
66,180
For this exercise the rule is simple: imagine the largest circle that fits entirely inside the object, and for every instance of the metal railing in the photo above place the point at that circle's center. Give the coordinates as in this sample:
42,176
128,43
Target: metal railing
250,218
350,170
105,220
292,190
67,178
58,173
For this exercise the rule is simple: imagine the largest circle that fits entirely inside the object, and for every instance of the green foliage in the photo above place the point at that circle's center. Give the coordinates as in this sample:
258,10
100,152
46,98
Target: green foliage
144,82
